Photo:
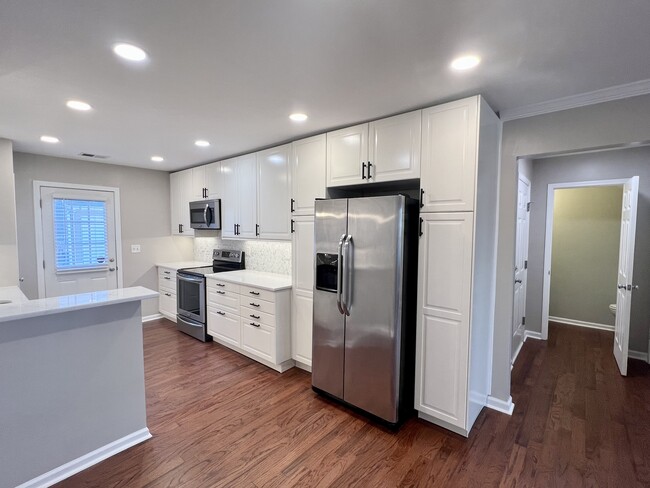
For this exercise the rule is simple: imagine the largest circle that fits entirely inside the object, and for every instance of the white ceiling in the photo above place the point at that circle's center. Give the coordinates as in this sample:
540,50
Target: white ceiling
232,71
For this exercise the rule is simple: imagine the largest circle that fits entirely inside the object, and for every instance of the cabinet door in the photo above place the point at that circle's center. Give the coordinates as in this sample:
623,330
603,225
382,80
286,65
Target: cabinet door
198,183
258,339
303,289
247,196
449,150
186,196
308,178
273,196
347,152
444,284
167,303
229,197
224,325
175,202
213,180
394,147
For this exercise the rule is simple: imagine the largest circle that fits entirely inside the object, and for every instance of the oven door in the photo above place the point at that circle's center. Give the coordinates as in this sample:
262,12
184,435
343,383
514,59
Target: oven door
190,295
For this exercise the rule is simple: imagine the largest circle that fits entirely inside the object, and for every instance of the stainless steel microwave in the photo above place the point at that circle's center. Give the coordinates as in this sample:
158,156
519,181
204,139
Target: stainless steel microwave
205,214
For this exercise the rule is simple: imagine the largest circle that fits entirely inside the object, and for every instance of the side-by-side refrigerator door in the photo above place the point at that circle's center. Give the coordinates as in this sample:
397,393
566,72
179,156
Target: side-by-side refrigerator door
330,229
375,255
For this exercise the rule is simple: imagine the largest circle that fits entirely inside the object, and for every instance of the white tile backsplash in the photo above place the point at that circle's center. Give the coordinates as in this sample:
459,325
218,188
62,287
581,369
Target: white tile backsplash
269,256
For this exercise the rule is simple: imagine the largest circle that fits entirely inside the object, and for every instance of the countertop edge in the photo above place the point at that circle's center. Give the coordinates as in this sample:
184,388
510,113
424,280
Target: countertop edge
237,280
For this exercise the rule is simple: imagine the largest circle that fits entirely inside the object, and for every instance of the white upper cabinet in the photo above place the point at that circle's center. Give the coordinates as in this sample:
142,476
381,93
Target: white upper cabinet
274,202
229,202
383,150
247,196
198,183
394,148
449,156
181,193
213,187
347,156
308,180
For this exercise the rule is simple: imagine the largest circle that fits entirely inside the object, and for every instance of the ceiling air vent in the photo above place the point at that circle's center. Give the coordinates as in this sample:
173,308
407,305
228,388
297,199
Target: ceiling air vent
95,156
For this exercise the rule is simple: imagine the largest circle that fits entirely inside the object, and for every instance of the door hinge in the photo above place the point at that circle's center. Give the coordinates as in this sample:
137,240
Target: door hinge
528,206
523,320
526,264
40,203
43,263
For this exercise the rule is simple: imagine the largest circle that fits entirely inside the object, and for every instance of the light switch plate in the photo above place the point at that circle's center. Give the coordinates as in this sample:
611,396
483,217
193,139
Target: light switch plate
135,248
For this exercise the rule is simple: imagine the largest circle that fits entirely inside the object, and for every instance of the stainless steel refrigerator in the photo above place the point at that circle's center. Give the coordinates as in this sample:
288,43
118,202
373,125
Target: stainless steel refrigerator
364,303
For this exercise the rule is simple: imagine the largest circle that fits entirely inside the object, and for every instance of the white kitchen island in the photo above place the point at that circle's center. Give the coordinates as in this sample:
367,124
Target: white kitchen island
71,382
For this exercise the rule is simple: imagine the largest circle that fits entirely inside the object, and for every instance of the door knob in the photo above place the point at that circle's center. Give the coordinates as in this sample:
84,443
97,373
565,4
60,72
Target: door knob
632,287
111,269
112,260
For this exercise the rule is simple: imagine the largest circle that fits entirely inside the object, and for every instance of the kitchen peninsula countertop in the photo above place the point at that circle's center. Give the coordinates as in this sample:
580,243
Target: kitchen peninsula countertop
258,279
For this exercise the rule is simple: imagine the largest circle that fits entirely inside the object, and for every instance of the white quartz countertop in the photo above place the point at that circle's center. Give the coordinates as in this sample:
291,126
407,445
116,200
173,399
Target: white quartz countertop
12,294
183,264
46,306
259,279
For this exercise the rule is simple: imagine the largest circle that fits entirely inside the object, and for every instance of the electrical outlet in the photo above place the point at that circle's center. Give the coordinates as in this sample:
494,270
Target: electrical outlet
135,248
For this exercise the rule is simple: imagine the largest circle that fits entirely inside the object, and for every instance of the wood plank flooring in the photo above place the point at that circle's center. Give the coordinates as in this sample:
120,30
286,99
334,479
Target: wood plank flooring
220,419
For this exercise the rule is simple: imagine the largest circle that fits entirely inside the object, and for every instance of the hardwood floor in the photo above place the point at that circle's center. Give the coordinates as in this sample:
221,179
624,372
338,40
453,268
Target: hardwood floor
220,419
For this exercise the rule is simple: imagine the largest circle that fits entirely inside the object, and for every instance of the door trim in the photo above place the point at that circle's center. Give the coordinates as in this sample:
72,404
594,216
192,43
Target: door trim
38,226
548,239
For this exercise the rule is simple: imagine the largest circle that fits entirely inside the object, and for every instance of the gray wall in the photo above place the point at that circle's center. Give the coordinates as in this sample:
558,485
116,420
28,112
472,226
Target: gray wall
145,215
584,264
604,165
605,124
8,249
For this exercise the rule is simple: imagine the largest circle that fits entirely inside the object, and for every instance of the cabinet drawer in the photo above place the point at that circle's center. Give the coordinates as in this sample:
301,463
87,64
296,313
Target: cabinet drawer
258,339
167,302
257,304
223,298
252,292
257,316
167,283
214,284
224,325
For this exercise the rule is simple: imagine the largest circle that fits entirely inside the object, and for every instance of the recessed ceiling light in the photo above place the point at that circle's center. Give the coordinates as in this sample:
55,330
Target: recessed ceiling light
157,159
202,143
50,139
130,52
78,105
298,117
463,63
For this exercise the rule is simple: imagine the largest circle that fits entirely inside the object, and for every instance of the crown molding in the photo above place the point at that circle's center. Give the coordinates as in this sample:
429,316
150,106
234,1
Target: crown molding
618,92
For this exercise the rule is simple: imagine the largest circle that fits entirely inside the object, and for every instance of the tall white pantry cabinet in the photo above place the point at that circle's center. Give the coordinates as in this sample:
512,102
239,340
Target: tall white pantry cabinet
457,262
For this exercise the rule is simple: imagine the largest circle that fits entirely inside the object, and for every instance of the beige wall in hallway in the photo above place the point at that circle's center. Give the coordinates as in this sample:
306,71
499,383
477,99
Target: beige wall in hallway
8,247
145,215
586,232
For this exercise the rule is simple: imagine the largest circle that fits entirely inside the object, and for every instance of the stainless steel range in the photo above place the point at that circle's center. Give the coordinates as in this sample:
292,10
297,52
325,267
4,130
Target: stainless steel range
190,289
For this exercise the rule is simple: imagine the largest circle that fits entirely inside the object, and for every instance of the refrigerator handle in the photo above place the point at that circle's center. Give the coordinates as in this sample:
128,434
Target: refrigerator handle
339,274
347,274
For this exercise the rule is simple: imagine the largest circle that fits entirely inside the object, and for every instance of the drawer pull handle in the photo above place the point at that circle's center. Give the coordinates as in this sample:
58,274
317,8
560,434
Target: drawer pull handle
167,277
220,284
220,312
168,294
256,317
256,293
253,304
254,324
221,292
167,272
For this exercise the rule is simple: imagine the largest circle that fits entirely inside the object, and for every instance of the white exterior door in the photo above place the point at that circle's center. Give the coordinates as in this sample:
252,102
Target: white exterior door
625,268
274,202
308,164
79,241
303,289
521,265
347,156
395,146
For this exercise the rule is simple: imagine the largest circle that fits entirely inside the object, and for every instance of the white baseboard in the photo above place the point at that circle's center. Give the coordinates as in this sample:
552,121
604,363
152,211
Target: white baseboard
643,356
531,334
501,405
514,357
582,323
303,366
149,318
87,460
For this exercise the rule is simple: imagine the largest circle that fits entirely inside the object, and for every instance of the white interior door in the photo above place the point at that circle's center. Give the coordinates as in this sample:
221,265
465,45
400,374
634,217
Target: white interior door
521,265
625,268
79,241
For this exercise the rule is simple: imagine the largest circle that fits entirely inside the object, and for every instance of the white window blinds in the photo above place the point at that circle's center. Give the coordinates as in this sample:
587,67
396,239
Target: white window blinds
80,234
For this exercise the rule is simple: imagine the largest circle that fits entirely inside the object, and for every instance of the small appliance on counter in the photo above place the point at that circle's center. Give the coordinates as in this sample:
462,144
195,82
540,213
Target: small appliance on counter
364,304
191,316
205,214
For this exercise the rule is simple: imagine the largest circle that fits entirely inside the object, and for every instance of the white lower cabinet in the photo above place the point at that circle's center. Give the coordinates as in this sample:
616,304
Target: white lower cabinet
167,292
251,320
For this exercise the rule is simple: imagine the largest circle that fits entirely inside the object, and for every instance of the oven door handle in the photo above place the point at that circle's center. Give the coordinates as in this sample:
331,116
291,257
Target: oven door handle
193,279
